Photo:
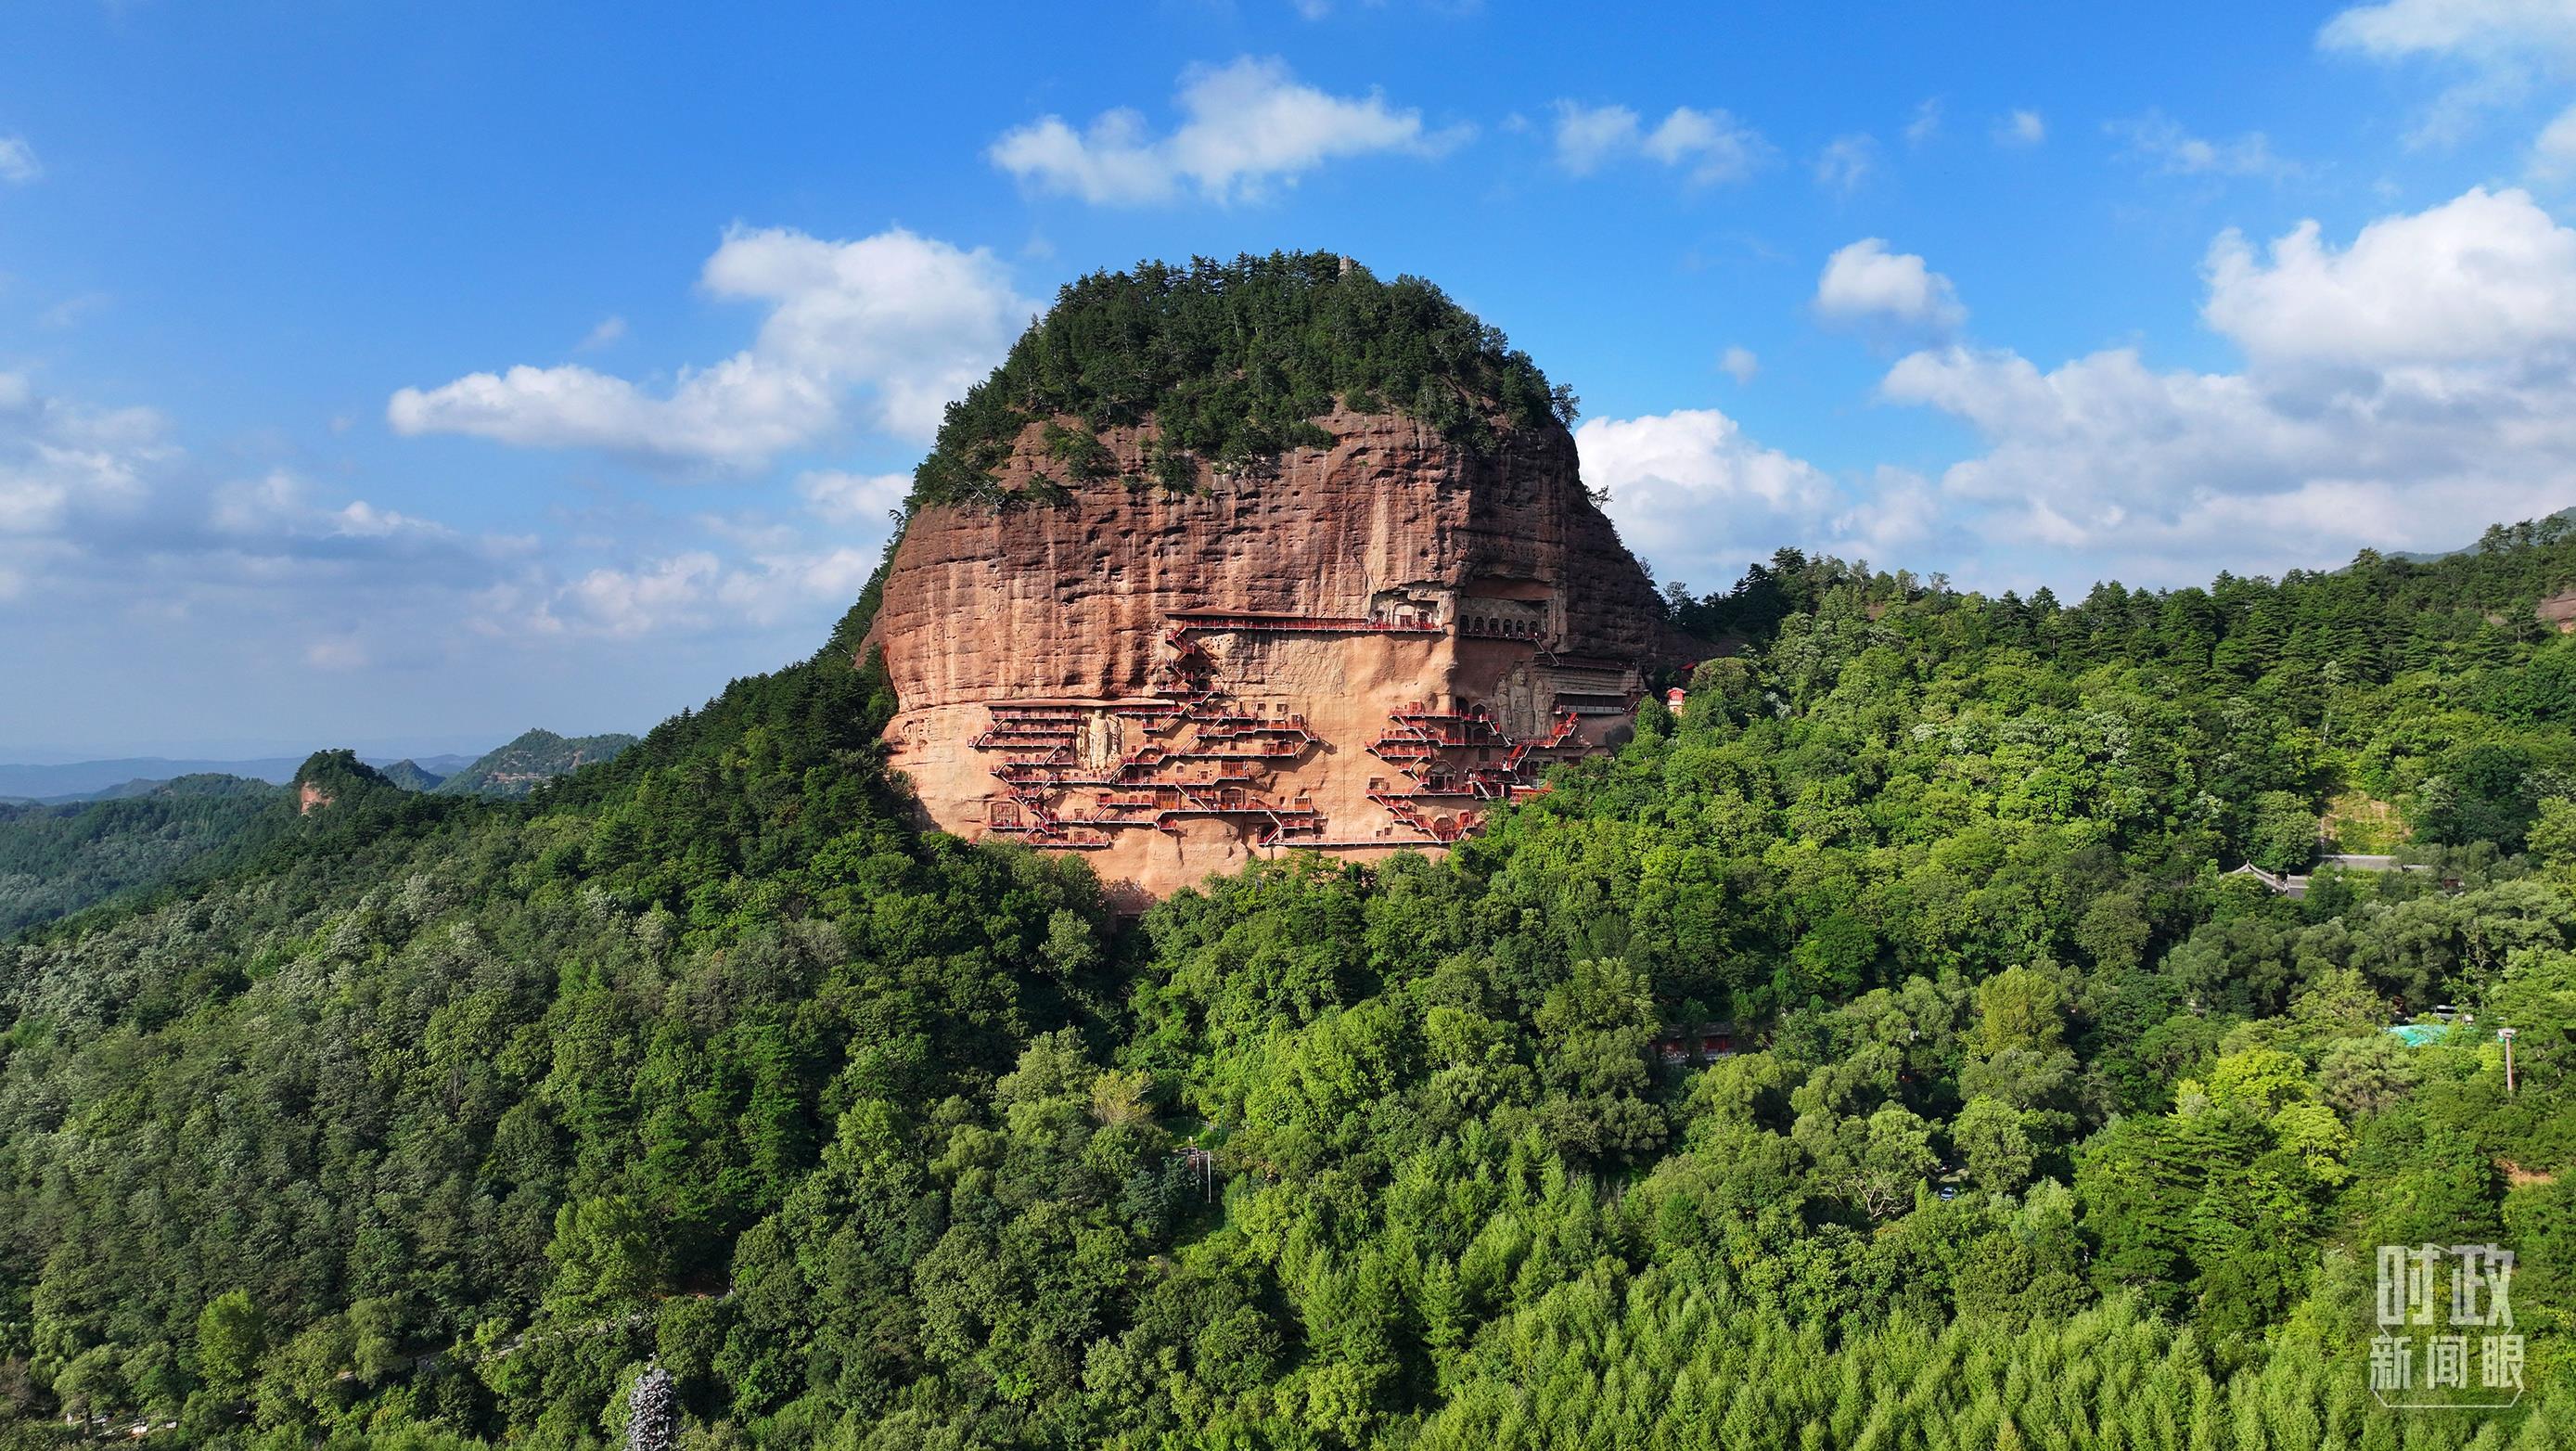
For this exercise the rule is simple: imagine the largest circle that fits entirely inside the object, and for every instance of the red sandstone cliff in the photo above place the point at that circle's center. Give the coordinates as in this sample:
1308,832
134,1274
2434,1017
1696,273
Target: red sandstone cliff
1119,673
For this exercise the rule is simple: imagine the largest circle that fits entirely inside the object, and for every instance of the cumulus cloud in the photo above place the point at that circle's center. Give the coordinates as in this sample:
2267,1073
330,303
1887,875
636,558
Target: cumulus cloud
738,413
1739,363
2159,142
1865,285
906,320
1699,499
1246,128
59,460
18,164
2020,128
2486,276
662,594
2412,385
2401,387
1710,146
1692,493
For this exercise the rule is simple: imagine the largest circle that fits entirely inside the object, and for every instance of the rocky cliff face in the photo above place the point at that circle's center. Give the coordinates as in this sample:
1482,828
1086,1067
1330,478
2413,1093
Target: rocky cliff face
1356,649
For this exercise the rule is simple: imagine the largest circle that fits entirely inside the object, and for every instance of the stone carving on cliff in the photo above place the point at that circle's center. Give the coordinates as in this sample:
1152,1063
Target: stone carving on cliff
1361,649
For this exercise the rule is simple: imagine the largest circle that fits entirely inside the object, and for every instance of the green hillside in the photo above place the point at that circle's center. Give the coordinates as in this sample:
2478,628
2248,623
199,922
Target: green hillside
435,1120
411,776
56,860
527,762
868,1138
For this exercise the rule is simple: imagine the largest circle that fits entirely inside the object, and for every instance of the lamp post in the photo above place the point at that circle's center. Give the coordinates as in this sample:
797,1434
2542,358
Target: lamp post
2505,1036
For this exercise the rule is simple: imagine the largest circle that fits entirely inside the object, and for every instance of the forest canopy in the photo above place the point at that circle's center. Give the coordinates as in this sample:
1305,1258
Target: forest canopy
1876,1052
1233,361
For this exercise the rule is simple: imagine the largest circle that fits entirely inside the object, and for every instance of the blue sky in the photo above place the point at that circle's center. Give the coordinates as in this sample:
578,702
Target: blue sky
401,376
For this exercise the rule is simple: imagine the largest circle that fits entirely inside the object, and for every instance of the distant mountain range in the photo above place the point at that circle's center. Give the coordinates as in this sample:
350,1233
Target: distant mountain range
120,830
415,776
117,779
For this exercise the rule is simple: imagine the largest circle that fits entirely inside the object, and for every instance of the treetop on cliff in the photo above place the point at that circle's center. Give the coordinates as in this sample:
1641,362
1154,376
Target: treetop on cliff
1234,360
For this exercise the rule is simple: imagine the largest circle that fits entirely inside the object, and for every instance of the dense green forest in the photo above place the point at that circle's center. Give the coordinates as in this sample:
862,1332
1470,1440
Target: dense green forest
55,860
1232,362
435,1121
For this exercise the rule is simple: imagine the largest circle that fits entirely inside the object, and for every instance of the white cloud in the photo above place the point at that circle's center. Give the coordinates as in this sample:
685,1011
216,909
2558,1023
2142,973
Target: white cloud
278,507
1866,285
18,164
290,608
1692,494
911,321
2486,276
1889,520
1739,363
609,330
738,413
2400,392
690,592
105,521
1846,163
2477,29
1926,123
846,498
2020,128
2553,152
1586,137
1246,128
2499,49
663,594
912,317
59,461
2160,142
1712,146
780,587
1699,500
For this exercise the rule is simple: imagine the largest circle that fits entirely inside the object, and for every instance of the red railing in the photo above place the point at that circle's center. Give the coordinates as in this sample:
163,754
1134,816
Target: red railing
1254,622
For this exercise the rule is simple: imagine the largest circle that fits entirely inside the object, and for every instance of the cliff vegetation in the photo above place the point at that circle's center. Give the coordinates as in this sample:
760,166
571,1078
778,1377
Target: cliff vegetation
1232,361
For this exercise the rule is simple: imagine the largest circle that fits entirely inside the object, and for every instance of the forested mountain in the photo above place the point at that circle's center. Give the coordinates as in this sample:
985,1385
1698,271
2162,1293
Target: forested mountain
437,1120
55,860
1232,362
412,776
527,762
